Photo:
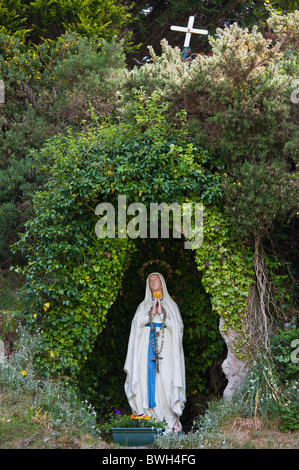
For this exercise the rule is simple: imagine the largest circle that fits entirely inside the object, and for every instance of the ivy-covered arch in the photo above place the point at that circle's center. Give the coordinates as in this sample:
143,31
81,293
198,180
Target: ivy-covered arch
202,345
73,277
69,332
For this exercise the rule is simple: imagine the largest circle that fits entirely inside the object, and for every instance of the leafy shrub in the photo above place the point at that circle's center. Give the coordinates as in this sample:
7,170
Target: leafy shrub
219,414
72,276
58,401
266,392
258,194
237,98
290,413
281,349
72,81
34,20
17,374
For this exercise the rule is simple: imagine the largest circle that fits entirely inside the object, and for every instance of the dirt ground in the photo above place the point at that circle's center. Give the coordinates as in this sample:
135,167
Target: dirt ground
262,439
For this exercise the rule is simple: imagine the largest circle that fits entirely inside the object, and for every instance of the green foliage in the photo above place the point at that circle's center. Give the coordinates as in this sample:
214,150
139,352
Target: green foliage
8,325
237,91
69,82
55,404
219,414
257,194
53,85
72,276
237,98
282,286
289,414
37,19
151,26
118,420
237,104
281,349
101,377
227,267
286,6
270,390
202,340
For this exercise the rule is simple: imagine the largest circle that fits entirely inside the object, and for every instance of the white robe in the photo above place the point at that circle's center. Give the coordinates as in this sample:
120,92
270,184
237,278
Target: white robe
170,388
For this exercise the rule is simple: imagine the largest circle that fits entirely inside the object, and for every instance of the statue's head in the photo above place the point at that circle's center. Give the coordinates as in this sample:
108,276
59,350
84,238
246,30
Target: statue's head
155,284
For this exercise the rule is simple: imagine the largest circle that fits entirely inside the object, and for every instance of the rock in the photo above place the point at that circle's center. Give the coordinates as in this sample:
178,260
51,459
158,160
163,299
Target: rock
234,368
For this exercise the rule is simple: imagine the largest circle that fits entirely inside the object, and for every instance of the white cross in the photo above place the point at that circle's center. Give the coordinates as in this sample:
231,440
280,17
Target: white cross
189,30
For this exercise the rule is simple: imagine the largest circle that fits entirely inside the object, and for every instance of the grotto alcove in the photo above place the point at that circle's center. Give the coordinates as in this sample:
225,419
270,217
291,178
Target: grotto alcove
101,379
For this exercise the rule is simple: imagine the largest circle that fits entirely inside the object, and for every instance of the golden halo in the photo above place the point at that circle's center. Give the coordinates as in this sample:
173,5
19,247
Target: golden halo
142,270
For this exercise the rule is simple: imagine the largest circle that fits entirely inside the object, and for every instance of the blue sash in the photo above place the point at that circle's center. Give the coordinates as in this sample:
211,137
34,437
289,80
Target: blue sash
151,366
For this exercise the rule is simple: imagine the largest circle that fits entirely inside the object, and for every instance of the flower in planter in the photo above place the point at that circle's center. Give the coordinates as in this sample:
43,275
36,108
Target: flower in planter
117,420
140,417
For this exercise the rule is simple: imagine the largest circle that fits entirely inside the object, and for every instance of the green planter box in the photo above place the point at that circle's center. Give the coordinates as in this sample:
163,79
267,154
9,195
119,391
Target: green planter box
135,436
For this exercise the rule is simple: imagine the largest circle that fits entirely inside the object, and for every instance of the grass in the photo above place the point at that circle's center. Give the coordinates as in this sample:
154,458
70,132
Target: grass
225,426
263,439
266,439
27,421
25,425
41,413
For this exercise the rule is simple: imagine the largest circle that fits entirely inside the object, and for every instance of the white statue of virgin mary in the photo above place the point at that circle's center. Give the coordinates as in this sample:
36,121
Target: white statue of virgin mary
155,365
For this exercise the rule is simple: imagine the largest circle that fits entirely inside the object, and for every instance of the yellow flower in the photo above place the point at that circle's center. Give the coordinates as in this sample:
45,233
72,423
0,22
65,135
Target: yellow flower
157,295
23,372
46,306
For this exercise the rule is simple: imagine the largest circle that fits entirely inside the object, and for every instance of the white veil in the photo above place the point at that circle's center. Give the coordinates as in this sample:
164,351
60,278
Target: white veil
168,303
